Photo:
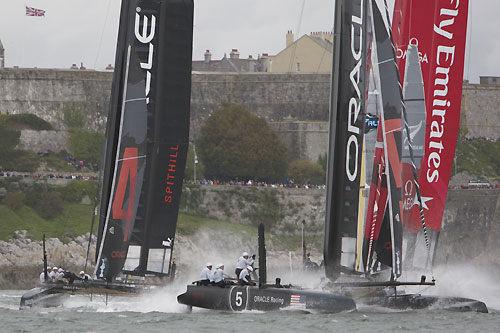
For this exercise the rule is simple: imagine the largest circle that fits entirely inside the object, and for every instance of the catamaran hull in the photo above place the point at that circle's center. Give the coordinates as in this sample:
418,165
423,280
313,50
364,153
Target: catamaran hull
423,302
45,297
54,295
236,298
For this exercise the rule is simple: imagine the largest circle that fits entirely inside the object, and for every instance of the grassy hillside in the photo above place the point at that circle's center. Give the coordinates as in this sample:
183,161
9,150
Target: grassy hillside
76,219
73,221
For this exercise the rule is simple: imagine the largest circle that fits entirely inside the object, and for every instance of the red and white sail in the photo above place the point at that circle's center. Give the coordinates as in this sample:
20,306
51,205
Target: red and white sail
438,28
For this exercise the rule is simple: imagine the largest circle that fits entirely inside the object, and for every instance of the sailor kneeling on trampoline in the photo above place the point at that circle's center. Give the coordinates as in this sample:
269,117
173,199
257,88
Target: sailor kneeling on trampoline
244,277
219,275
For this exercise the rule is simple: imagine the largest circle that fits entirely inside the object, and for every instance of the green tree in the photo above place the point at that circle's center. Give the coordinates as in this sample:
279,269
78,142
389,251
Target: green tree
85,145
236,144
305,172
50,205
14,200
323,160
73,117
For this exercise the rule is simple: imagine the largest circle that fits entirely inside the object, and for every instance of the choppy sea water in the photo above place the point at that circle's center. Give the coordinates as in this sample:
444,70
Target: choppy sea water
161,313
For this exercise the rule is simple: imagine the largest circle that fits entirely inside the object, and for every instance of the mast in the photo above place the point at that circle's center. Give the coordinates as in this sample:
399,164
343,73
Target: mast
347,116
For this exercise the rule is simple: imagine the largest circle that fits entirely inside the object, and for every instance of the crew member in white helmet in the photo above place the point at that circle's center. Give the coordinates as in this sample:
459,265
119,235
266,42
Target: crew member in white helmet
85,276
243,261
60,275
245,279
53,274
219,275
206,275
42,275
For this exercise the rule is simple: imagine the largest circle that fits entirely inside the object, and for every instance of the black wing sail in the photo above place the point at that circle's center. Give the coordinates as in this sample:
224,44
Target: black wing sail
347,117
170,131
147,134
391,121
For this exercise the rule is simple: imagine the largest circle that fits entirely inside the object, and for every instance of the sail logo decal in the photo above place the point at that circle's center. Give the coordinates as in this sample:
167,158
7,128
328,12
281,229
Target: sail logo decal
145,37
172,165
410,197
128,172
413,132
445,56
401,54
354,108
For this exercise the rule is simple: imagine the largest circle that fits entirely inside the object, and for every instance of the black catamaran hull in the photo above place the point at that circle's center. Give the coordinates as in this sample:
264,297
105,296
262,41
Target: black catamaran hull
423,302
53,295
236,298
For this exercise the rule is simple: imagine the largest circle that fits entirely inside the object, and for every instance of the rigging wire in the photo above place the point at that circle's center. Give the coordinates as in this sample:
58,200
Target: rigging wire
102,35
469,33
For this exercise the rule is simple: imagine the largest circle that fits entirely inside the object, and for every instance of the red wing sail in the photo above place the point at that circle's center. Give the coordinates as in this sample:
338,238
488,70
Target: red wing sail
438,29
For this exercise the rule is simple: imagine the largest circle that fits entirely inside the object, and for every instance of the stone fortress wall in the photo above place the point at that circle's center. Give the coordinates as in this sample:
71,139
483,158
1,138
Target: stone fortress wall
295,104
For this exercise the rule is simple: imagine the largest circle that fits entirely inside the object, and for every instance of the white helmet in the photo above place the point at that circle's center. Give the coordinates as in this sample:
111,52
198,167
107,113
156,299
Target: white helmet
209,264
245,254
54,268
82,272
250,268
49,268
219,266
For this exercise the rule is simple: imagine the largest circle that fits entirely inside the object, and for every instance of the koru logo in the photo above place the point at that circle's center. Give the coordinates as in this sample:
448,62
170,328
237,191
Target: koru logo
238,298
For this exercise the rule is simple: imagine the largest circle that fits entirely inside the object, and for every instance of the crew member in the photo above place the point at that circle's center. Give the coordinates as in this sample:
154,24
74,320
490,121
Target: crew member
53,274
60,275
42,275
219,275
243,262
245,279
206,274
85,276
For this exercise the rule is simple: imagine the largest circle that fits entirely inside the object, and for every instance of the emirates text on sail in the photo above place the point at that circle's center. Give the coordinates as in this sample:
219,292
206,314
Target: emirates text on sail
444,60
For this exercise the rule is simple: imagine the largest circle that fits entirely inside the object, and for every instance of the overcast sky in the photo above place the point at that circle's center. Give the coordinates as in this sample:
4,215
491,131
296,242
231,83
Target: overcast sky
76,31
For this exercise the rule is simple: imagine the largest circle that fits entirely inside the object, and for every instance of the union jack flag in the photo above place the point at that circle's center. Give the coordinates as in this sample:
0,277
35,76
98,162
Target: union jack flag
298,301
30,11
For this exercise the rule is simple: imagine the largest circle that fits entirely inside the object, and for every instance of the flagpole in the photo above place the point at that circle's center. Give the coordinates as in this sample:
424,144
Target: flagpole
195,162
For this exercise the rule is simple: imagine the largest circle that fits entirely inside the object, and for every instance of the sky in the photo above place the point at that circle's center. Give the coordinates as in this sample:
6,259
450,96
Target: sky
77,31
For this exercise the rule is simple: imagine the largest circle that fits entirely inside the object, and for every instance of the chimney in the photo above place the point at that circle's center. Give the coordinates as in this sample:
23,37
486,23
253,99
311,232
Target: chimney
234,54
289,38
81,66
208,56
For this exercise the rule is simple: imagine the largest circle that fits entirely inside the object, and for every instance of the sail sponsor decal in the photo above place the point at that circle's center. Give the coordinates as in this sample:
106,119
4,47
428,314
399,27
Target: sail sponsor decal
125,189
144,34
171,173
439,29
355,105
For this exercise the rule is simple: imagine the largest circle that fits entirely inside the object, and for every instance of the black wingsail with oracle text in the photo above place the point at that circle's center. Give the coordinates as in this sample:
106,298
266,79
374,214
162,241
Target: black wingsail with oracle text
347,117
147,136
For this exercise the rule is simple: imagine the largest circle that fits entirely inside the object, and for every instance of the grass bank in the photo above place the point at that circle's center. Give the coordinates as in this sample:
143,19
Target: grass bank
75,220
